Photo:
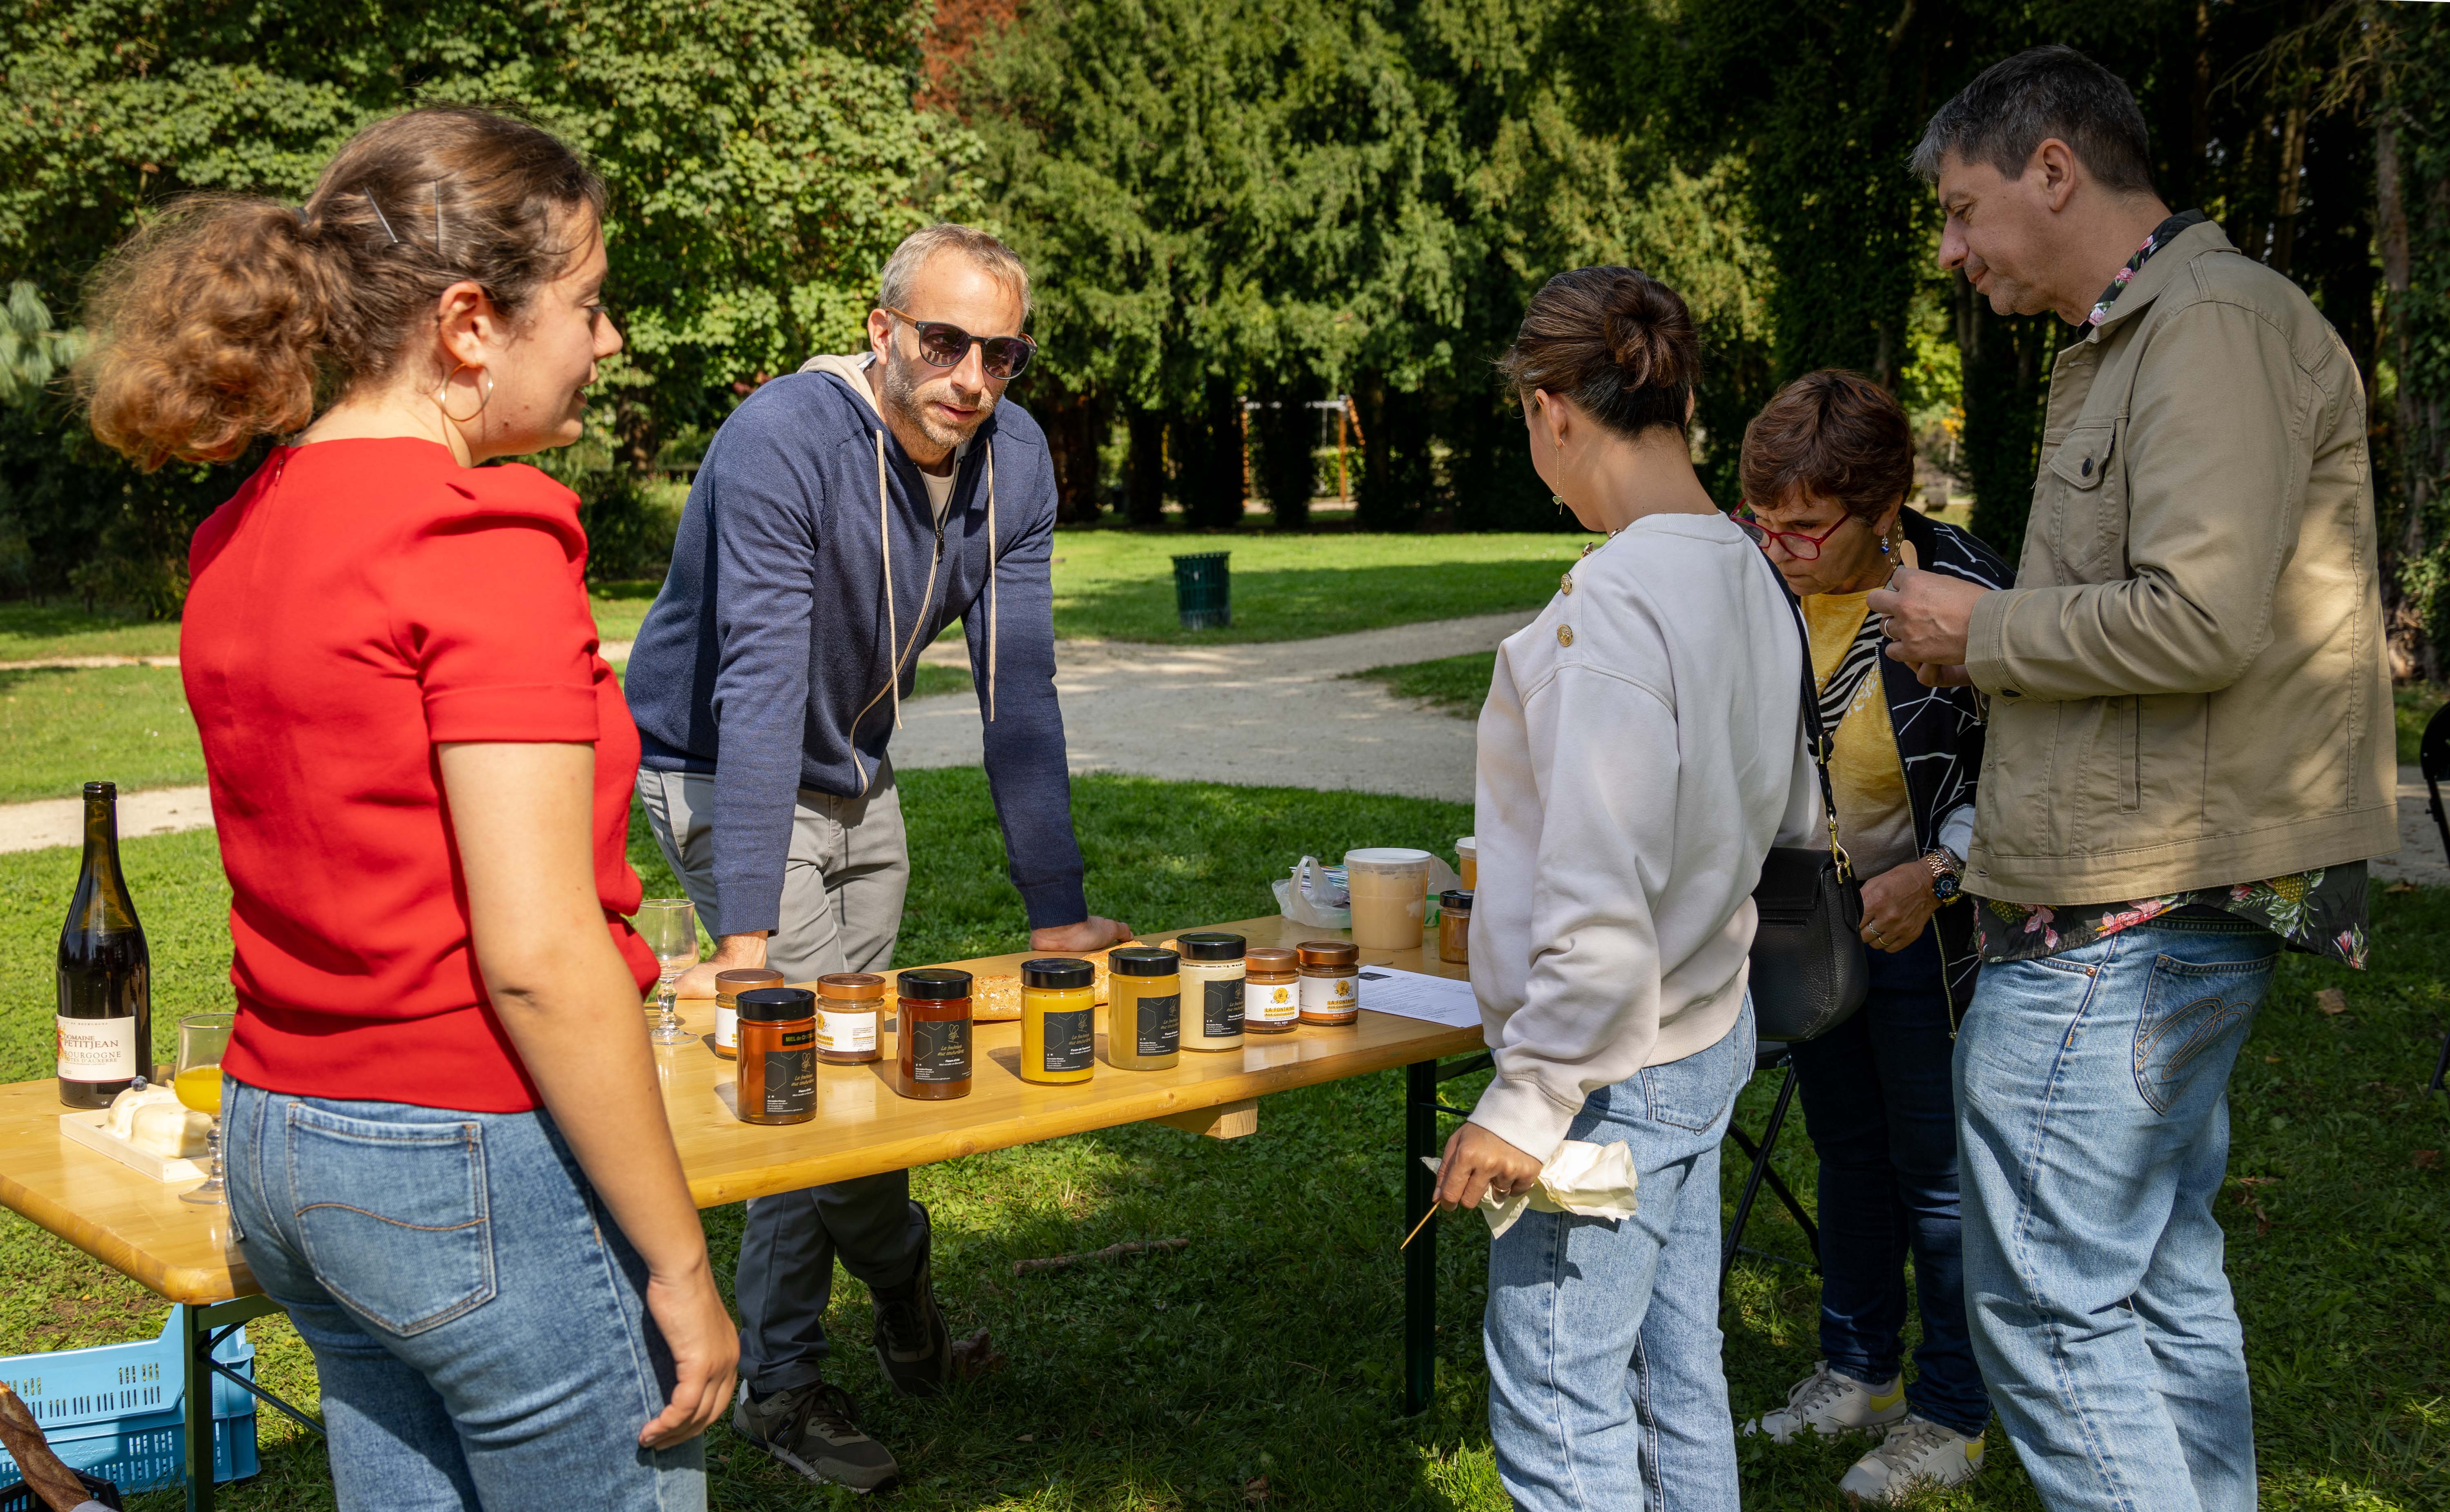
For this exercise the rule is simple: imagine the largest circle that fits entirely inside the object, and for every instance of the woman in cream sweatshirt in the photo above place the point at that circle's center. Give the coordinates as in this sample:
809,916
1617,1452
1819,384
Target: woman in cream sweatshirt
1640,752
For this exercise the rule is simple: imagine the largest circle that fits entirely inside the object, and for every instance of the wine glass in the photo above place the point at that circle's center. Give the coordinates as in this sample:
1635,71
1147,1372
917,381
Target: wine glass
203,1038
670,927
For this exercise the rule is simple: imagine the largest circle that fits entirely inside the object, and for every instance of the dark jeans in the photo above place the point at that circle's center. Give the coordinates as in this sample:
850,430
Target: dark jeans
1877,1106
785,1278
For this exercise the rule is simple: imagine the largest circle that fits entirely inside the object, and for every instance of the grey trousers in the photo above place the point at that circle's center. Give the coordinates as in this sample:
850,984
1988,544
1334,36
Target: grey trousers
843,886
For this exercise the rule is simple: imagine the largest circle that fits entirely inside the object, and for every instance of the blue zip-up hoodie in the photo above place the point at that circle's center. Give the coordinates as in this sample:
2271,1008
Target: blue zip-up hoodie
807,550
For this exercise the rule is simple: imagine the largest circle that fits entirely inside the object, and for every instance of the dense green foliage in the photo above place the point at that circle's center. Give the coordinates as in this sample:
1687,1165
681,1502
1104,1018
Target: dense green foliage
763,155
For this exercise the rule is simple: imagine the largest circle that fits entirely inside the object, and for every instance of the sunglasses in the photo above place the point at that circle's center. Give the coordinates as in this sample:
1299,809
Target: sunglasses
944,344
1796,544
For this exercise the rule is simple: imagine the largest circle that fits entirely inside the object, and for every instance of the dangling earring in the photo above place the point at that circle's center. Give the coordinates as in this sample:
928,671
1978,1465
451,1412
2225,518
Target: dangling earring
1558,500
1884,546
485,393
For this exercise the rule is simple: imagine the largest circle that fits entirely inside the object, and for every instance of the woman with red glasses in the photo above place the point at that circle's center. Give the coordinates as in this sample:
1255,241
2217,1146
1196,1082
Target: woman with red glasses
1826,469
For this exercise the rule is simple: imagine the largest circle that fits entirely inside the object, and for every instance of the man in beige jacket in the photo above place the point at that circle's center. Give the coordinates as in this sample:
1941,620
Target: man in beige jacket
2188,762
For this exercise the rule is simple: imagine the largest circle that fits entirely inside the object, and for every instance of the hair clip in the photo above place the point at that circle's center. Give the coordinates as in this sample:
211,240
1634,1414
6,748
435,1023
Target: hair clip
379,218
438,218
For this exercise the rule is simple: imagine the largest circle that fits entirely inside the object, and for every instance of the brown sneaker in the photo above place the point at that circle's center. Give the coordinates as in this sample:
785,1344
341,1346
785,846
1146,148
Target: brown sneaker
810,1428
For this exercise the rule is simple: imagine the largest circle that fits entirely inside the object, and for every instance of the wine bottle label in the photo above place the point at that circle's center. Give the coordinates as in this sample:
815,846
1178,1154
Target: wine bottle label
1072,1040
96,1049
846,1033
939,1049
1160,1025
1330,995
1269,1003
1221,1008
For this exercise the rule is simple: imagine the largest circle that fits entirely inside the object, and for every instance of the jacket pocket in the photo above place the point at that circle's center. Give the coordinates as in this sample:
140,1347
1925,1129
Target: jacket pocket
393,1215
2087,520
2194,1016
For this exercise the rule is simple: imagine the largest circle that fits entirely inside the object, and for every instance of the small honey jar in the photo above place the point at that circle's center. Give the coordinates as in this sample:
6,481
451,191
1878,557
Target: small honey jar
776,1079
1271,991
1454,926
1331,981
728,986
850,1018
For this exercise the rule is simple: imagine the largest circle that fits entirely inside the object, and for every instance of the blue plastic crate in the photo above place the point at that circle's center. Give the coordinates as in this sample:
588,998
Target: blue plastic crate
117,1410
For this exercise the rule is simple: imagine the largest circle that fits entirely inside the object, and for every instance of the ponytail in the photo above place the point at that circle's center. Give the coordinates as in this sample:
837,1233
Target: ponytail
230,318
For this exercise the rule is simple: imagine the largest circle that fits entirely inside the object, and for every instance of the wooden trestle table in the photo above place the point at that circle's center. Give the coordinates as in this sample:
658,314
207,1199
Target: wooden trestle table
862,1126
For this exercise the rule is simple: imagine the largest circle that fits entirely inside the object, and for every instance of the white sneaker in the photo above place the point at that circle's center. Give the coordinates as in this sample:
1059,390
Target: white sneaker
1828,1402
1916,1453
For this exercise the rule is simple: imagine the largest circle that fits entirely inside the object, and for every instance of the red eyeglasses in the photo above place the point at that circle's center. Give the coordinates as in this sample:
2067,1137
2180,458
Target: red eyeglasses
1796,544
944,344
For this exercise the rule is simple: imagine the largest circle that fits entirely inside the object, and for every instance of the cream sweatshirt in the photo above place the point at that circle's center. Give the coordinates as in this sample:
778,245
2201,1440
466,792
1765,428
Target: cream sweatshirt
1641,750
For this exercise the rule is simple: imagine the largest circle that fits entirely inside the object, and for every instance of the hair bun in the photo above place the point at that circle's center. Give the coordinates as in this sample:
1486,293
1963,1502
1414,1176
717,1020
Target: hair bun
1616,342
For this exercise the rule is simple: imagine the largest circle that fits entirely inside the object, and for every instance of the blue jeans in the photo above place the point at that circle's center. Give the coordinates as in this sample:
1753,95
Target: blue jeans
1606,1389
478,1325
1876,1104
2093,1101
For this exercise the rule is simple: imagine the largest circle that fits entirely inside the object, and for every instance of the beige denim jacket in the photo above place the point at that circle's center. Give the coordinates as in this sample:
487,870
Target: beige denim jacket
2187,681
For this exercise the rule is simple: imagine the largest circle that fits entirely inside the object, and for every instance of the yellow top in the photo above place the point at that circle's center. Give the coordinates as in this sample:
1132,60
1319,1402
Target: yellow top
1874,816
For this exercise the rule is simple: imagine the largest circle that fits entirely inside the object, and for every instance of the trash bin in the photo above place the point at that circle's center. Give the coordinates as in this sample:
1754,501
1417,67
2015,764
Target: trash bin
1203,591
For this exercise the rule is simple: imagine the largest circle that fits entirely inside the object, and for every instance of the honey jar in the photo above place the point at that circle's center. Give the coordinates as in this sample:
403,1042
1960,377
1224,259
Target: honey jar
935,1034
1331,981
1143,1008
728,986
1454,926
1212,987
1271,991
776,1078
1059,1019
850,1018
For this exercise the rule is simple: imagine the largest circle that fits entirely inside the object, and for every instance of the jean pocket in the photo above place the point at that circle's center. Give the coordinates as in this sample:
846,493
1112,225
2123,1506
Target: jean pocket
2192,1012
393,1216
1696,1091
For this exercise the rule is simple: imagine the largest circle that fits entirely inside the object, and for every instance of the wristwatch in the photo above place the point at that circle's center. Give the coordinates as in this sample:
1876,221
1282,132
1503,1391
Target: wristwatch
1945,871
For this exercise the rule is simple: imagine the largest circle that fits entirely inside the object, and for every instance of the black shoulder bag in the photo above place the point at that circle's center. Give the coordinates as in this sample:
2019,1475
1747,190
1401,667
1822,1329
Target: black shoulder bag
1809,973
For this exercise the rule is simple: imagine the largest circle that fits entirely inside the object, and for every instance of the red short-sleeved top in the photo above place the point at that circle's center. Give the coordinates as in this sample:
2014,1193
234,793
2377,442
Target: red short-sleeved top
358,603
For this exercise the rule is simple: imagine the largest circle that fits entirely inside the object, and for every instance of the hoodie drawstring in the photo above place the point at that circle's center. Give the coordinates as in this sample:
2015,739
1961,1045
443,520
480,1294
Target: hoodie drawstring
994,570
884,537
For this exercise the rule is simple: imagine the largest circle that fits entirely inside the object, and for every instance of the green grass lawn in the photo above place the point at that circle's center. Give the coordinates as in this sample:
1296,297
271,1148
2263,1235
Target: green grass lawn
1269,1347
2414,705
61,727
1458,685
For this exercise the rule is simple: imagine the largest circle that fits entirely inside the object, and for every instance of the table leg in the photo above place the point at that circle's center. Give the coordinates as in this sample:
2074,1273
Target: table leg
195,1338
1421,1256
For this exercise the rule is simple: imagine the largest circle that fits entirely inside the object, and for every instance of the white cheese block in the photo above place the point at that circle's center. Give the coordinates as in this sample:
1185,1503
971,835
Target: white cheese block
154,1121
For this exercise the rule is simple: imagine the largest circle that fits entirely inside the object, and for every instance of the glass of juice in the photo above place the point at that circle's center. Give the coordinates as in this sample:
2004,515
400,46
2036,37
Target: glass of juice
198,1083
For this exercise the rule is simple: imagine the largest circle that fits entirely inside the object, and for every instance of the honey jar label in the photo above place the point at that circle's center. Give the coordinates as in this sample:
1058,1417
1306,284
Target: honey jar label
792,1079
1072,1040
1221,1008
1270,1003
726,1027
1160,1025
940,1050
841,1033
1329,994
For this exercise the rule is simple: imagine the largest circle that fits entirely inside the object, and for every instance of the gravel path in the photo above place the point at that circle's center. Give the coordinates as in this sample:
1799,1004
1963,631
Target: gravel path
1281,713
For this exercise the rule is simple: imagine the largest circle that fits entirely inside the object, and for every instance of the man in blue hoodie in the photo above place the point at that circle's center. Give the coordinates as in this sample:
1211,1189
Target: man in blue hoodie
843,517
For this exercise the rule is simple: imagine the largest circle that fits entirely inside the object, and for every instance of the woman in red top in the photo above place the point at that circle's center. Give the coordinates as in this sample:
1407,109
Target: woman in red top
439,1083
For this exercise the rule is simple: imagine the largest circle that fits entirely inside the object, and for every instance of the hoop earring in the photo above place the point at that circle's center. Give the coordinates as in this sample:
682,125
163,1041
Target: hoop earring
485,386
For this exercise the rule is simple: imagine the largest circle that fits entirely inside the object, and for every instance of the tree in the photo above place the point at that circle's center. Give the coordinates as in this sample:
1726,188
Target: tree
763,156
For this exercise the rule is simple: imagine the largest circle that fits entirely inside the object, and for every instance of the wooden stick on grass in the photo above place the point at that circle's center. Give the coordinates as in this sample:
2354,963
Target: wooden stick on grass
1112,1251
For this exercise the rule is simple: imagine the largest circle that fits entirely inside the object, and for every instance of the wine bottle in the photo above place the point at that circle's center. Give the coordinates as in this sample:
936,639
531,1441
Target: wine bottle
106,1008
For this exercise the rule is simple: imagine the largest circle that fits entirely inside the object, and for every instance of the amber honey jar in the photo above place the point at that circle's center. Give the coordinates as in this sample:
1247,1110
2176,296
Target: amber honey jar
850,1018
1331,981
1454,926
1271,991
1143,1008
728,986
776,1078
935,1034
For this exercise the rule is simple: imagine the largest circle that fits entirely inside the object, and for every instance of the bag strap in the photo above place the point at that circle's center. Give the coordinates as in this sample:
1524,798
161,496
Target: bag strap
1815,733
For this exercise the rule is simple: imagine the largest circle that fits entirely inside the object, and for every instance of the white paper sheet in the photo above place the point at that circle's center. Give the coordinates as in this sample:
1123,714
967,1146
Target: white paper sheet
1414,995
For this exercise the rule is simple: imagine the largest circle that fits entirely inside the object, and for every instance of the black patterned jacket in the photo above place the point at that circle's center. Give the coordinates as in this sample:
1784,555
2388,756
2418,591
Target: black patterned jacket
1940,739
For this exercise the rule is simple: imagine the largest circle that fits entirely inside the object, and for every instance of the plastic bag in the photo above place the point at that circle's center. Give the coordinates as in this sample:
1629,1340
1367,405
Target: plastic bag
1315,895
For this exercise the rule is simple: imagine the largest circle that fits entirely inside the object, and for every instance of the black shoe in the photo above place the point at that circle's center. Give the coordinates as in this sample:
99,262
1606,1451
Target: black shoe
912,1343
810,1428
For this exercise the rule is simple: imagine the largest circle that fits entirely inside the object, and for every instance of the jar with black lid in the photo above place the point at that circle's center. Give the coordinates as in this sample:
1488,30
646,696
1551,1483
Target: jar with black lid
775,1081
1143,1008
1212,987
935,1034
1454,926
1059,1018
